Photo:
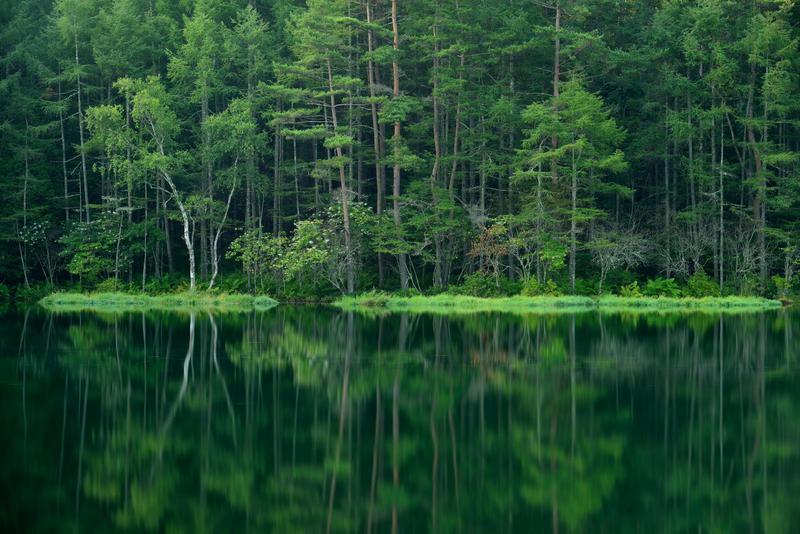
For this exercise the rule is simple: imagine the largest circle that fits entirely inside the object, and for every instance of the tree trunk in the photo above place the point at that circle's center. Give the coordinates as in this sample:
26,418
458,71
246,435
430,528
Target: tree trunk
572,224
205,231
80,130
758,200
694,226
215,244
277,185
438,267
556,83
129,177
377,145
721,206
144,247
168,243
666,185
344,192
187,237
63,154
401,257
457,131
23,249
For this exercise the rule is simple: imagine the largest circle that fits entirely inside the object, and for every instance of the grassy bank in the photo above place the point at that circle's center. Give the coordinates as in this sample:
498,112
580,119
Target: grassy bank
704,304
463,304
173,301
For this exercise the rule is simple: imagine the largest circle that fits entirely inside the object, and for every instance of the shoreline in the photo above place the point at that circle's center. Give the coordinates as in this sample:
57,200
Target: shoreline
459,304
122,302
386,303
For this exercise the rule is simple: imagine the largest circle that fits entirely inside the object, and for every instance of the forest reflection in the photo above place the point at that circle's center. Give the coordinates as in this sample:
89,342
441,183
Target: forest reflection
310,419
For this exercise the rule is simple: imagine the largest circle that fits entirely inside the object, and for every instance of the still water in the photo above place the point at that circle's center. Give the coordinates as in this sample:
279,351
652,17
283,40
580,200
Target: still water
312,420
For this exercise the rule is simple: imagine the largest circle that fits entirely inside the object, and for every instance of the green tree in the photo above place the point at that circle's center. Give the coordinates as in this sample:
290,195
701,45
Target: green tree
587,150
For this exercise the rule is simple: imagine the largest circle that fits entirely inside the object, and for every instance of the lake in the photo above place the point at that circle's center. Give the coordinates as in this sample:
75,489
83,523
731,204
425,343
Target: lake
310,419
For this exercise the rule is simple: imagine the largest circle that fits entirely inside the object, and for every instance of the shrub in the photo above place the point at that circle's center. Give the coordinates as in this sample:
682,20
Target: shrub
477,285
616,279
5,294
509,287
34,293
374,299
110,285
410,292
533,288
749,286
586,287
434,290
302,289
167,283
781,288
484,285
231,283
662,287
701,285
631,290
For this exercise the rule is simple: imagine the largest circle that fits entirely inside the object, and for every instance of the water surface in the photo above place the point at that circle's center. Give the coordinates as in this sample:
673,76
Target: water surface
310,419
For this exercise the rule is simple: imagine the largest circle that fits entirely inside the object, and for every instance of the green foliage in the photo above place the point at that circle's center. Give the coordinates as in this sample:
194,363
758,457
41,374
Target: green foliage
447,303
397,109
631,290
613,251
587,286
708,304
233,283
782,288
175,301
370,299
338,141
5,293
261,256
533,288
552,255
701,285
662,287
32,294
484,285
166,283
109,285
749,285
93,250
197,124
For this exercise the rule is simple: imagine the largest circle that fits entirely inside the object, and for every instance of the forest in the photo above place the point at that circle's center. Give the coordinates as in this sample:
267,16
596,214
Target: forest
307,149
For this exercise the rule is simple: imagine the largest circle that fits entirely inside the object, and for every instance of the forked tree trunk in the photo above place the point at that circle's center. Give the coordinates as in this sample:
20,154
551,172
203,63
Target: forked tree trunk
345,194
218,233
187,234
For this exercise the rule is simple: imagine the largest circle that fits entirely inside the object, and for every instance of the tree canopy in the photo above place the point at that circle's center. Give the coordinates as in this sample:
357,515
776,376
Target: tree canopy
417,144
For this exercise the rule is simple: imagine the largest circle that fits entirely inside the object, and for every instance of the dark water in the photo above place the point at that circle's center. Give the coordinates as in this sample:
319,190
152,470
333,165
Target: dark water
309,419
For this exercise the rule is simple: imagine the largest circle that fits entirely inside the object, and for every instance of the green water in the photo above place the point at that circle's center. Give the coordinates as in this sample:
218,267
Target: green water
311,419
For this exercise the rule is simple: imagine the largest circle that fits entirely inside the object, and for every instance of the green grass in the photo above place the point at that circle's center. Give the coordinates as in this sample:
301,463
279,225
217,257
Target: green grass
449,304
173,301
711,303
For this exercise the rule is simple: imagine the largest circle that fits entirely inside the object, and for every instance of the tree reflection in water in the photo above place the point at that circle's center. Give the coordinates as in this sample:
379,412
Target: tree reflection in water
308,419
